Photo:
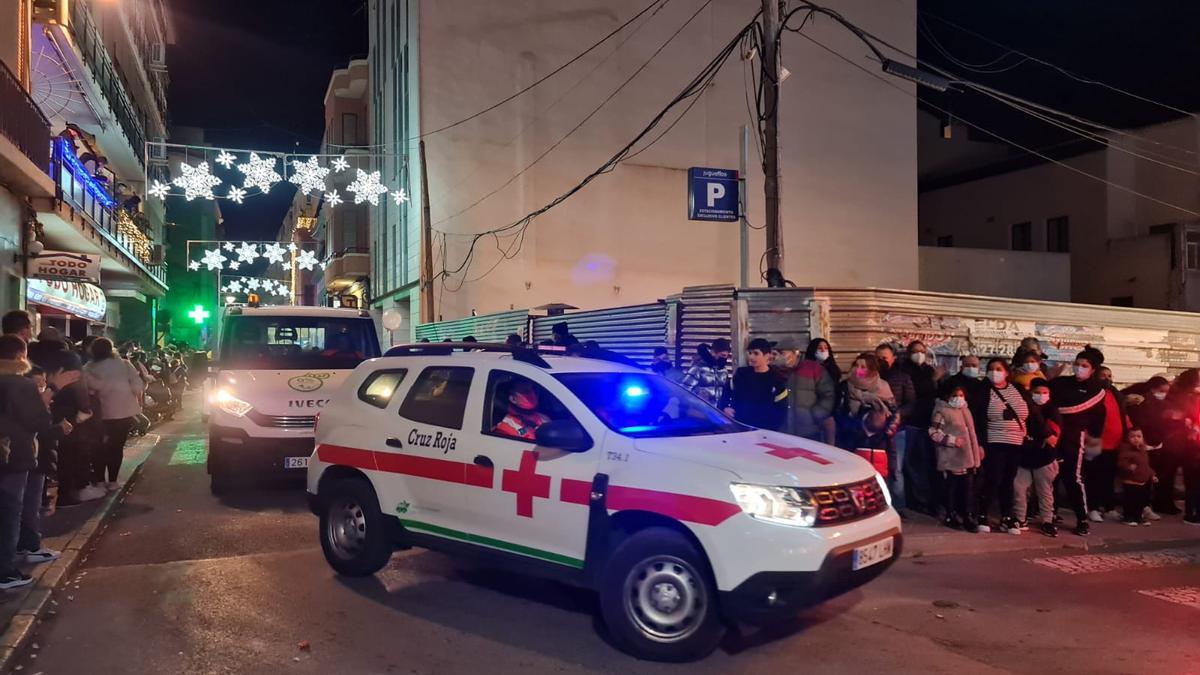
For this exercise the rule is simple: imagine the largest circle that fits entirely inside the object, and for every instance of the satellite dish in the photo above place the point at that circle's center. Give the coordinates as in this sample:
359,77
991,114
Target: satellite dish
393,319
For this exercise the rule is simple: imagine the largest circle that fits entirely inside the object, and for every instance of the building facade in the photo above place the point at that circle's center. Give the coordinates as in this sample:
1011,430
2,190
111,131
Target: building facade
848,145
344,233
95,73
1130,233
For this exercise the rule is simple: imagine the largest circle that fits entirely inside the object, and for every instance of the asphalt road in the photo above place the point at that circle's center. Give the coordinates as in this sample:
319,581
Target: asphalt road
184,582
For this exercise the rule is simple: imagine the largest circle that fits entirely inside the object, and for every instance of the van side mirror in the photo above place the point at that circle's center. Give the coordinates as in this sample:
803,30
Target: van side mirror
566,435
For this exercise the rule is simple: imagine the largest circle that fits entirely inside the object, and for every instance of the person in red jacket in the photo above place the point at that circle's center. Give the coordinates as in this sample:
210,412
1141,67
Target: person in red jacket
1099,474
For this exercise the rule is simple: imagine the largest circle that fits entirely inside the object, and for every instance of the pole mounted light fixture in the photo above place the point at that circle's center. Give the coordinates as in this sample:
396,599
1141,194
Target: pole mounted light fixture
916,75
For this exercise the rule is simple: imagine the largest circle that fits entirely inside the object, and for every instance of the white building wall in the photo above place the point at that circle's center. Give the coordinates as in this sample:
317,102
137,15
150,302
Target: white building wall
848,144
1032,275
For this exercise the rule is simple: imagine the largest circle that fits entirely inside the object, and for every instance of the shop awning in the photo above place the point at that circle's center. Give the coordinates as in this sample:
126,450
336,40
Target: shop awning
84,300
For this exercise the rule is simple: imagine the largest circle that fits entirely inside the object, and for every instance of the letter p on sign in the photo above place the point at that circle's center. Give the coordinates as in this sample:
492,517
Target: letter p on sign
714,192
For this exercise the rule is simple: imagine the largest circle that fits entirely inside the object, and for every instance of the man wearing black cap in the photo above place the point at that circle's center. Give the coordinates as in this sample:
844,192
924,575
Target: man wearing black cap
757,394
1080,401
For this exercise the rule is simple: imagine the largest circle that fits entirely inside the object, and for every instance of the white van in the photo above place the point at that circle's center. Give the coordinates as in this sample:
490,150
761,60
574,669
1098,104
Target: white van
275,368
597,474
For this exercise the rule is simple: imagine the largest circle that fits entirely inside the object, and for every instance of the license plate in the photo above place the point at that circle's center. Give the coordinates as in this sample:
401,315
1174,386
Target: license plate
297,463
872,554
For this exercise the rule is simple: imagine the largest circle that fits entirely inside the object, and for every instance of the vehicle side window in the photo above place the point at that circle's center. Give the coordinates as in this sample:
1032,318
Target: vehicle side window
439,396
518,420
379,387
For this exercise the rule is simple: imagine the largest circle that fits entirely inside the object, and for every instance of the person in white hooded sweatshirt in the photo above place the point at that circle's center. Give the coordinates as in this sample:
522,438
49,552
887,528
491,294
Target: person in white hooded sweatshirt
119,387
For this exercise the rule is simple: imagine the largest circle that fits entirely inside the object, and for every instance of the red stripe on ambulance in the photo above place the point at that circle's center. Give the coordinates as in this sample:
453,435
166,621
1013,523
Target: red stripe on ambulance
409,465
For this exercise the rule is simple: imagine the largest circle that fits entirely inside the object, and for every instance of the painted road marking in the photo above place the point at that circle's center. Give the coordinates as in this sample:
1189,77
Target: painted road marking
1113,562
1188,596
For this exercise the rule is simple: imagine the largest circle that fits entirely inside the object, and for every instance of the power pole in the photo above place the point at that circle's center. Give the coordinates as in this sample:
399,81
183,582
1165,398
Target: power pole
427,315
770,66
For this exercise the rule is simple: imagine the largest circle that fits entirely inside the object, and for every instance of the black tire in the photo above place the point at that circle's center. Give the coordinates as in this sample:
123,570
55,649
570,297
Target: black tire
354,533
693,628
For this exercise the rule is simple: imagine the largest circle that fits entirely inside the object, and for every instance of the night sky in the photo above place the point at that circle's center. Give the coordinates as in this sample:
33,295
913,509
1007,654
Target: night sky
254,73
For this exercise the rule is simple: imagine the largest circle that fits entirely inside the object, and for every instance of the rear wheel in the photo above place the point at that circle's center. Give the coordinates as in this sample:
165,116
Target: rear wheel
658,598
354,534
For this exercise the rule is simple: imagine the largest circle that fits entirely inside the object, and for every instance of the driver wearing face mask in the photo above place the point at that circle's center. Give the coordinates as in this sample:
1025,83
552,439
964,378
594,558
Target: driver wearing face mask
523,418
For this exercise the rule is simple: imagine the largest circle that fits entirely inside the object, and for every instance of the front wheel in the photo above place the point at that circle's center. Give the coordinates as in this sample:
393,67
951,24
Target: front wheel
354,534
658,598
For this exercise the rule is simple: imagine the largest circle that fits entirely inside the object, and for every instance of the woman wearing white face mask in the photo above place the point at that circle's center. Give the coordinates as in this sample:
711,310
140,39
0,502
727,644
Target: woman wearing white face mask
819,350
1080,401
1006,410
959,454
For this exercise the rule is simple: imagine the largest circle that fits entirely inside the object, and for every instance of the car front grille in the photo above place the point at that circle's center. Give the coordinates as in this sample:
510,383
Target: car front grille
282,421
844,503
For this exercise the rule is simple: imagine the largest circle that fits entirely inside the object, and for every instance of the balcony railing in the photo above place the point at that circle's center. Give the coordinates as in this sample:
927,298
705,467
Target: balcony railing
78,189
95,55
21,121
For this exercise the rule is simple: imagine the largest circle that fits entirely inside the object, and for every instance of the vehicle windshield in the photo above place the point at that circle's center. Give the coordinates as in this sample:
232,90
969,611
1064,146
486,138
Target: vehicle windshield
643,405
297,342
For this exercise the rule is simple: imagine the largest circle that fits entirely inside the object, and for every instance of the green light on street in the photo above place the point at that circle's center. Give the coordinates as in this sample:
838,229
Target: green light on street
199,314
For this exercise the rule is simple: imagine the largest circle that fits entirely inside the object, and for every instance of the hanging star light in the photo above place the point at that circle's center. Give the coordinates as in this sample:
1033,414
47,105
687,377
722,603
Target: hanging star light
225,159
308,175
333,199
229,246
233,264
194,265
196,181
235,194
274,253
306,260
160,190
366,187
260,172
340,164
213,259
235,286
247,252
399,196
292,246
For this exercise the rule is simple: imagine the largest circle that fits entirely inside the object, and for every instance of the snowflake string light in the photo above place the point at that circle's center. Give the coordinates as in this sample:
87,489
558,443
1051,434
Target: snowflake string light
213,259
306,260
260,172
308,175
229,246
333,199
225,159
233,264
340,164
160,190
247,252
234,286
366,187
235,194
194,265
274,253
196,181
292,246
399,196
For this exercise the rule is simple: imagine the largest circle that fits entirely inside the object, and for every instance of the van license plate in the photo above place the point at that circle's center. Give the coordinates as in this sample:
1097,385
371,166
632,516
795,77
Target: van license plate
872,554
302,463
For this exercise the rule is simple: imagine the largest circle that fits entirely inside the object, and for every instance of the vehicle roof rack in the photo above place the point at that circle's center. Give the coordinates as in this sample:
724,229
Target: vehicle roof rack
519,352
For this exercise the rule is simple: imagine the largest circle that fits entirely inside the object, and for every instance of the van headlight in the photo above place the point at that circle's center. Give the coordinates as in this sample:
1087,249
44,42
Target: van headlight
883,488
224,399
776,504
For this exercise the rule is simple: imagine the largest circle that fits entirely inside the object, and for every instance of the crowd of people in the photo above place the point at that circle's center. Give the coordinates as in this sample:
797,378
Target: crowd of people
970,447
66,411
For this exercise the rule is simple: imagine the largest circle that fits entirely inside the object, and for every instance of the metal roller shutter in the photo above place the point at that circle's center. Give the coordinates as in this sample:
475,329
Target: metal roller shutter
487,328
632,331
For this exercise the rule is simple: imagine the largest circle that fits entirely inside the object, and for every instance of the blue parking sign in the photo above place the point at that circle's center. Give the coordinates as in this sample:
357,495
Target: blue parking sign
712,194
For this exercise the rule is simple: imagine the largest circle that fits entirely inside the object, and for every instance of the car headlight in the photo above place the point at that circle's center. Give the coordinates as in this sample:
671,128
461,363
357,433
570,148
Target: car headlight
775,504
225,400
887,495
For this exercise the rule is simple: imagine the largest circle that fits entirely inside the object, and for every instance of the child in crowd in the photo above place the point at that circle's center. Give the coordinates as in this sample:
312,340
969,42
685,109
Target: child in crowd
1137,477
959,455
1039,463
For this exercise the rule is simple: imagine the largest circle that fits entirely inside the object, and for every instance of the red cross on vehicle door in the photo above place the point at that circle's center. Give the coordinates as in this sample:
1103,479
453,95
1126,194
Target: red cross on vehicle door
524,512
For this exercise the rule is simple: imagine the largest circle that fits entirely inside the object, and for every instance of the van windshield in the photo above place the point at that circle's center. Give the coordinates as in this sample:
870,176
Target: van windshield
297,342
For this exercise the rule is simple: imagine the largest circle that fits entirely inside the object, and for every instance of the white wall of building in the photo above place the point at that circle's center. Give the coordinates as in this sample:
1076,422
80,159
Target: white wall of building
848,146
1032,275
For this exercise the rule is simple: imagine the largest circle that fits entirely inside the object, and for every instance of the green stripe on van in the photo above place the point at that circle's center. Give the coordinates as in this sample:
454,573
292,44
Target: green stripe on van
493,543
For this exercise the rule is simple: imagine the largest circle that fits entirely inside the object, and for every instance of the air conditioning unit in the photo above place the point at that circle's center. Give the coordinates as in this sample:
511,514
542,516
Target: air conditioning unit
157,255
158,57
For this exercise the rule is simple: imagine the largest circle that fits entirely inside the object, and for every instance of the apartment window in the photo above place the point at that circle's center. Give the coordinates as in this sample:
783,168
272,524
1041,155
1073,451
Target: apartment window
1058,235
945,241
348,229
349,129
1022,237
1193,251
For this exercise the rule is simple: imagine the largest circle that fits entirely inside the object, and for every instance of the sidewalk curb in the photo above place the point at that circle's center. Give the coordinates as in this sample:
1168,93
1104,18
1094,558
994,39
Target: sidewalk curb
930,544
20,629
